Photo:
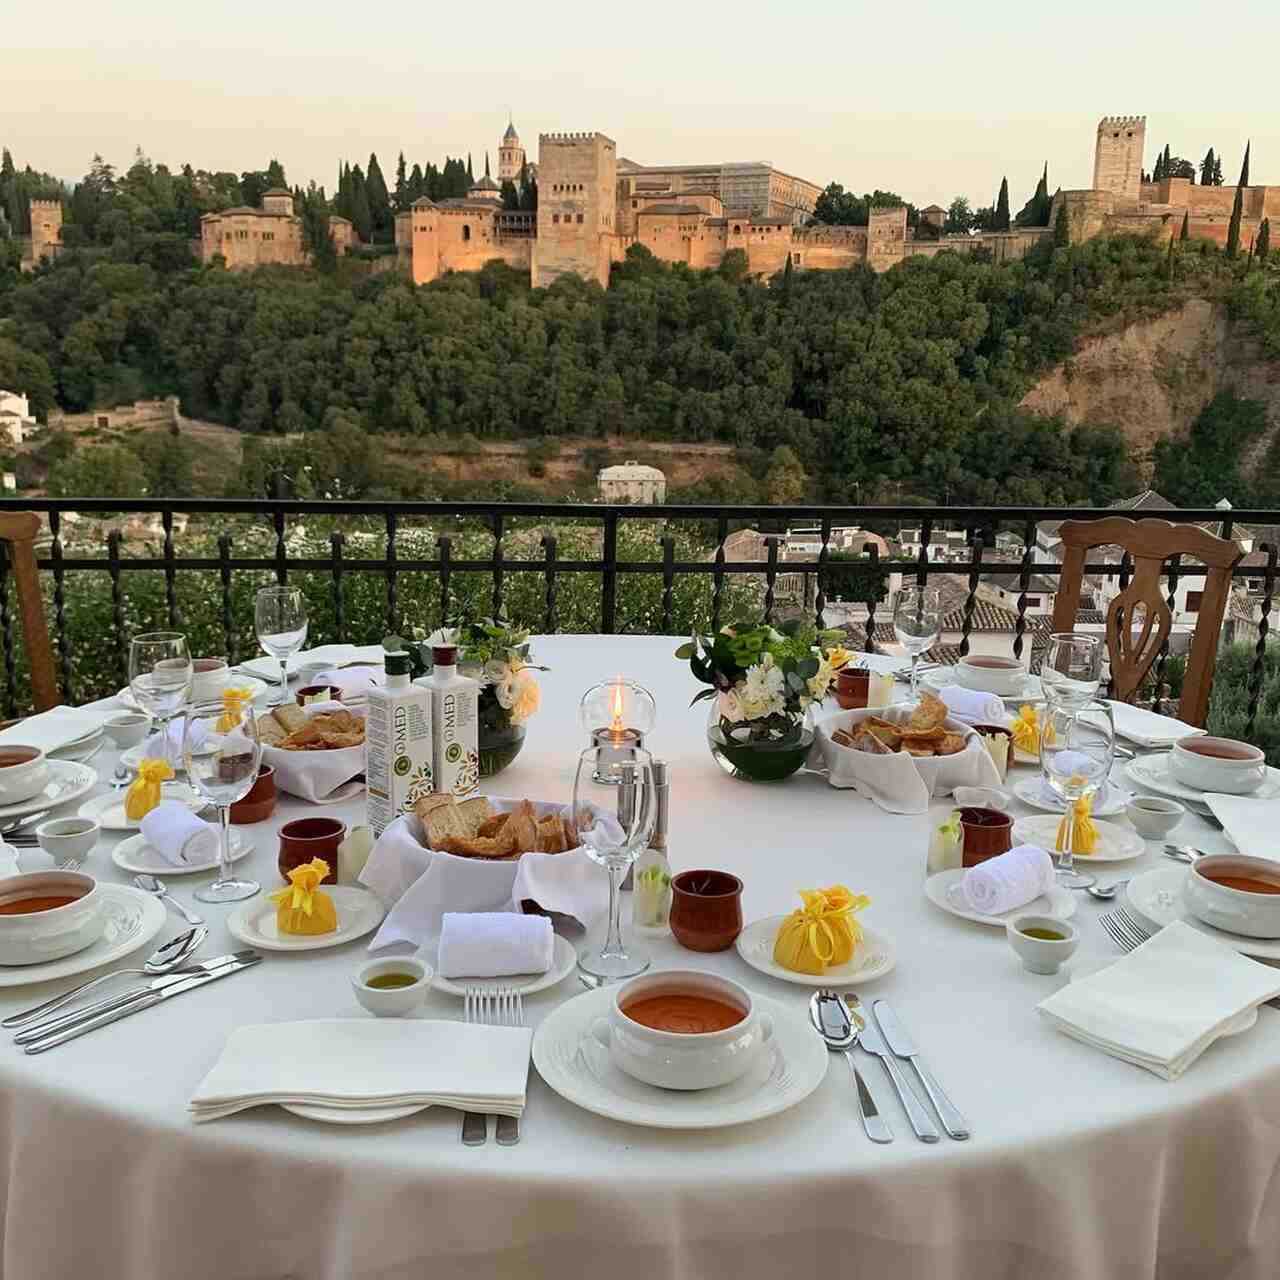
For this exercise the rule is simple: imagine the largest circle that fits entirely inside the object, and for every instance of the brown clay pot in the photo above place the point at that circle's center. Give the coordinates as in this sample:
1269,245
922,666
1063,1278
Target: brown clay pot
307,838
260,803
331,693
706,909
986,832
853,688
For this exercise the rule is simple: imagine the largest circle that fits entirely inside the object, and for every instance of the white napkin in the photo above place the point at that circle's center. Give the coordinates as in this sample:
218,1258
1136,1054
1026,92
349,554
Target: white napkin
363,1062
152,746
178,836
972,706
322,777
1009,880
353,682
1253,825
1164,1004
56,727
493,944
1146,728
328,655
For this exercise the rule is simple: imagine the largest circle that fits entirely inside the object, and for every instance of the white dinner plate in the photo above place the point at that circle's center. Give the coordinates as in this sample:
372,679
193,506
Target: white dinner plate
938,678
943,890
132,919
351,1115
135,854
1157,897
254,922
1153,772
108,810
564,960
68,781
1032,790
577,1066
873,957
237,680
1115,843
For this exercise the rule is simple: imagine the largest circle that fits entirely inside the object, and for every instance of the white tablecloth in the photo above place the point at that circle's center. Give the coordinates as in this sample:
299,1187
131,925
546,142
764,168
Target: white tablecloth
1079,1166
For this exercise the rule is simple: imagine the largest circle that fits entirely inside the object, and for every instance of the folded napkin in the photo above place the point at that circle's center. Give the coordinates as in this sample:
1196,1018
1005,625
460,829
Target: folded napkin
972,706
493,944
153,749
327,655
1164,1004
357,1063
322,777
1146,728
58,726
1008,881
1253,825
353,683
178,836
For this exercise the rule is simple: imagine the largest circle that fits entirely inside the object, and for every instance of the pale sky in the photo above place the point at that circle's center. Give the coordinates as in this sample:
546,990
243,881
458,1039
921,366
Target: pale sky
926,99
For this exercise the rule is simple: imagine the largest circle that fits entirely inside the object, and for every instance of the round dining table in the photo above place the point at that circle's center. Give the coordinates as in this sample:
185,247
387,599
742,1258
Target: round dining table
1079,1164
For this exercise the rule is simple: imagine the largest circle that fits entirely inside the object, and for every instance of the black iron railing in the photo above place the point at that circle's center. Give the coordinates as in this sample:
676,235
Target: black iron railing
65,554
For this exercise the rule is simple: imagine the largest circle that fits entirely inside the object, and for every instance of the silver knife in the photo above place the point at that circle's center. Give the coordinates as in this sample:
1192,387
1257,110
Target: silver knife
873,1042
142,1001
47,1026
902,1044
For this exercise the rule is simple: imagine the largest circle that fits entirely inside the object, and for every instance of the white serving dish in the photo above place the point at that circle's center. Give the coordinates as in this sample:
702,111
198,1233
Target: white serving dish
1006,680
1042,955
1153,817
49,935
21,781
128,728
392,1002
1153,772
938,773
1255,915
1235,775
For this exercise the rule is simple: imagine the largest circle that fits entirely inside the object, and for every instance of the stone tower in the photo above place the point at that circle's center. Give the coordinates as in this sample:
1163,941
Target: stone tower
510,156
46,229
577,202
1117,162
278,200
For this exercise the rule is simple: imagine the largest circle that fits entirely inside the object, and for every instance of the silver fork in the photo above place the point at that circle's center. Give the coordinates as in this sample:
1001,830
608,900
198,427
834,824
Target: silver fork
475,1124
511,1014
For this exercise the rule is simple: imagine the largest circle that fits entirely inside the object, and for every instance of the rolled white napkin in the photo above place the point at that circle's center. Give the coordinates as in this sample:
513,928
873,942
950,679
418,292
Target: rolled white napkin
973,706
1165,1003
1009,880
178,836
493,944
152,748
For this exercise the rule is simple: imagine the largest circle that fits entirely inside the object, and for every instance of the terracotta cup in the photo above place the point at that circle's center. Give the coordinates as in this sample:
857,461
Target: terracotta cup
307,838
706,909
986,833
853,687
309,692
260,803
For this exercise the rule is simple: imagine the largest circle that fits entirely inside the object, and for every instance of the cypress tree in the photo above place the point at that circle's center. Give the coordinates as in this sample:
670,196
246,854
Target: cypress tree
1061,232
471,176
1263,246
1158,172
1185,233
1217,171
1206,169
378,196
402,186
1169,260
1002,206
1244,168
1233,227
1166,163
486,164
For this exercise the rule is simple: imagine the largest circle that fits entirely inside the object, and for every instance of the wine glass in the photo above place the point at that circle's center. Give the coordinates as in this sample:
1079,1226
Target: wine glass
917,622
614,842
222,753
1071,671
1075,758
160,678
280,616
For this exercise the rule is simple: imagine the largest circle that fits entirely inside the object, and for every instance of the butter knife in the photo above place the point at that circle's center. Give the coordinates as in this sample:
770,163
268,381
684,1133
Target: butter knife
47,1026
143,1000
902,1044
873,1042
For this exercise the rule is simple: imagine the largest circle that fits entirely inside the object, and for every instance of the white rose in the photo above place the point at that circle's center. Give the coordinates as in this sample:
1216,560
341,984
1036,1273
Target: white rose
730,706
526,696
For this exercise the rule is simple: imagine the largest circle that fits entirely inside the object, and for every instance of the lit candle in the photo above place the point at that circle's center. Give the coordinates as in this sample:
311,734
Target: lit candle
617,714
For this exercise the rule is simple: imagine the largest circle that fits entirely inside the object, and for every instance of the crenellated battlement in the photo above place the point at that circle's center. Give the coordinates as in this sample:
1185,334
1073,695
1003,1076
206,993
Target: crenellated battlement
571,139
46,205
1110,122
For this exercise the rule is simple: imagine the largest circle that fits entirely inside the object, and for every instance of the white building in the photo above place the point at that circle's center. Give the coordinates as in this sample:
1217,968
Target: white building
16,422
632,482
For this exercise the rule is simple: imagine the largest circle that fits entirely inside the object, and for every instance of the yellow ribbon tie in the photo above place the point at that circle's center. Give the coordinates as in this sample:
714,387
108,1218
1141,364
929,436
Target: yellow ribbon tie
821,933
234,702
839,657
1079,825
1026,731
303,907
144,792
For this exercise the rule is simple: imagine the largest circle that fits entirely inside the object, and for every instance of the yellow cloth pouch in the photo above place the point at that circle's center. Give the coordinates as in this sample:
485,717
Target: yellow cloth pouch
303,907
1026,731
234,702
822,933
1080,825
144,791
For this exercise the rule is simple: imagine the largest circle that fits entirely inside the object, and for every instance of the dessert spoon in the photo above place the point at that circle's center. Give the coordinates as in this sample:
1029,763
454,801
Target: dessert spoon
839,1028
153,884
1105,892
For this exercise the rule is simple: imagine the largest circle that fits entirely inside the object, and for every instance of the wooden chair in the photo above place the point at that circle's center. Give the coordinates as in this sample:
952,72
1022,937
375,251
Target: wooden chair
1133,650
18,532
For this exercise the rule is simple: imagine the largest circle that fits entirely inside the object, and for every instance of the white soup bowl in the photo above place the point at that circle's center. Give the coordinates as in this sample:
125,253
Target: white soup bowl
1255,915
990,673
24,772
1218,764
39,936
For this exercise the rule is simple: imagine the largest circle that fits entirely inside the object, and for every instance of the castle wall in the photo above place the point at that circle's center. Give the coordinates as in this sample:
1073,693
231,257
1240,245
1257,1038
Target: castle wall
577,180
1117,160
250,238
45,240
462,239
1004,246
886,237
829,248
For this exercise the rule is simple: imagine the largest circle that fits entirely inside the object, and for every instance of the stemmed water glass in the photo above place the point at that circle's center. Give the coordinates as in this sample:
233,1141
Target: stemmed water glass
613,834
1071,671
222,753
1076,756
280,616
917,622
160,678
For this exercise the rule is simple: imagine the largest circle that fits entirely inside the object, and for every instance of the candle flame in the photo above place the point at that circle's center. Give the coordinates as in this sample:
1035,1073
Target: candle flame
618,706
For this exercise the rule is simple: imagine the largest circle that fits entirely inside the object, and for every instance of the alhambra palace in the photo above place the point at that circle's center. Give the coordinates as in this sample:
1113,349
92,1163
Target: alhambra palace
593,205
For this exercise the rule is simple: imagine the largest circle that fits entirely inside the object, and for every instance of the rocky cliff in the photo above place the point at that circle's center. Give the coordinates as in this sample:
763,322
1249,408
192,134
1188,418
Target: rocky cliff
1152,379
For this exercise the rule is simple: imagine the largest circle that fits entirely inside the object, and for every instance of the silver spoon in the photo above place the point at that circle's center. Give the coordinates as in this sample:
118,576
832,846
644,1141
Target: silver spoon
839,1027
121,776
16,824
152,884
1182,852
1105,892
164,959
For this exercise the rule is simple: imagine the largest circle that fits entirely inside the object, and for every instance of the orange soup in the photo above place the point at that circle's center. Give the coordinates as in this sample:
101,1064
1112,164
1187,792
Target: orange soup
1246,884
28,906
687,1014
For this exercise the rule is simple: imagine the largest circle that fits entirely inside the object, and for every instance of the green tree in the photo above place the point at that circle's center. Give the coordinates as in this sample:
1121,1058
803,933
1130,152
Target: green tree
1207,169
1185,234
381,217
1061,230
785,479
168,464
1244,168
959,217
1205,468
111,471
733,266
510,196
403,200
1233,226
1035,213
1263,246
1002,207
26,372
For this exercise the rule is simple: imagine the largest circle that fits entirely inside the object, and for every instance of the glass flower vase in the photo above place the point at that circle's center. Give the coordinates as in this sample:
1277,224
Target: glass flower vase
750,750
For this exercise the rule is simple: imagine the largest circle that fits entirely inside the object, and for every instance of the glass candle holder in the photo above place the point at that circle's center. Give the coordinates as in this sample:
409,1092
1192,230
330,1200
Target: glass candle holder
616,716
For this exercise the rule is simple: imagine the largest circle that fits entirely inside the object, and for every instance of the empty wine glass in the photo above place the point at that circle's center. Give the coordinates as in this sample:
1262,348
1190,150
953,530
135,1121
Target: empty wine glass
1071,671
222,753
917,622
1076,756
160,678
280,616
613,834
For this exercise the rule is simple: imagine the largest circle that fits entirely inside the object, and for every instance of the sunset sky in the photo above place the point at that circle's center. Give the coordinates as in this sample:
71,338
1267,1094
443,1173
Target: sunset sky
928,99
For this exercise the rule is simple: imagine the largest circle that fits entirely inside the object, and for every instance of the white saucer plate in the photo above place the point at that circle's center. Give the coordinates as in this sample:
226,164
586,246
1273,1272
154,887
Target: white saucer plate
254,922
350,1115
943,890
873,957
1153,773
939,678
577,1066
108,810
132,919
1031,790
564,960
68,781
1115,843
1157,897
134,854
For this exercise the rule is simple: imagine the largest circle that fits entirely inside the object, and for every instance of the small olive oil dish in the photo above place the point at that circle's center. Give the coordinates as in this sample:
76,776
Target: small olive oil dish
392,988
1153,817
1043,943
